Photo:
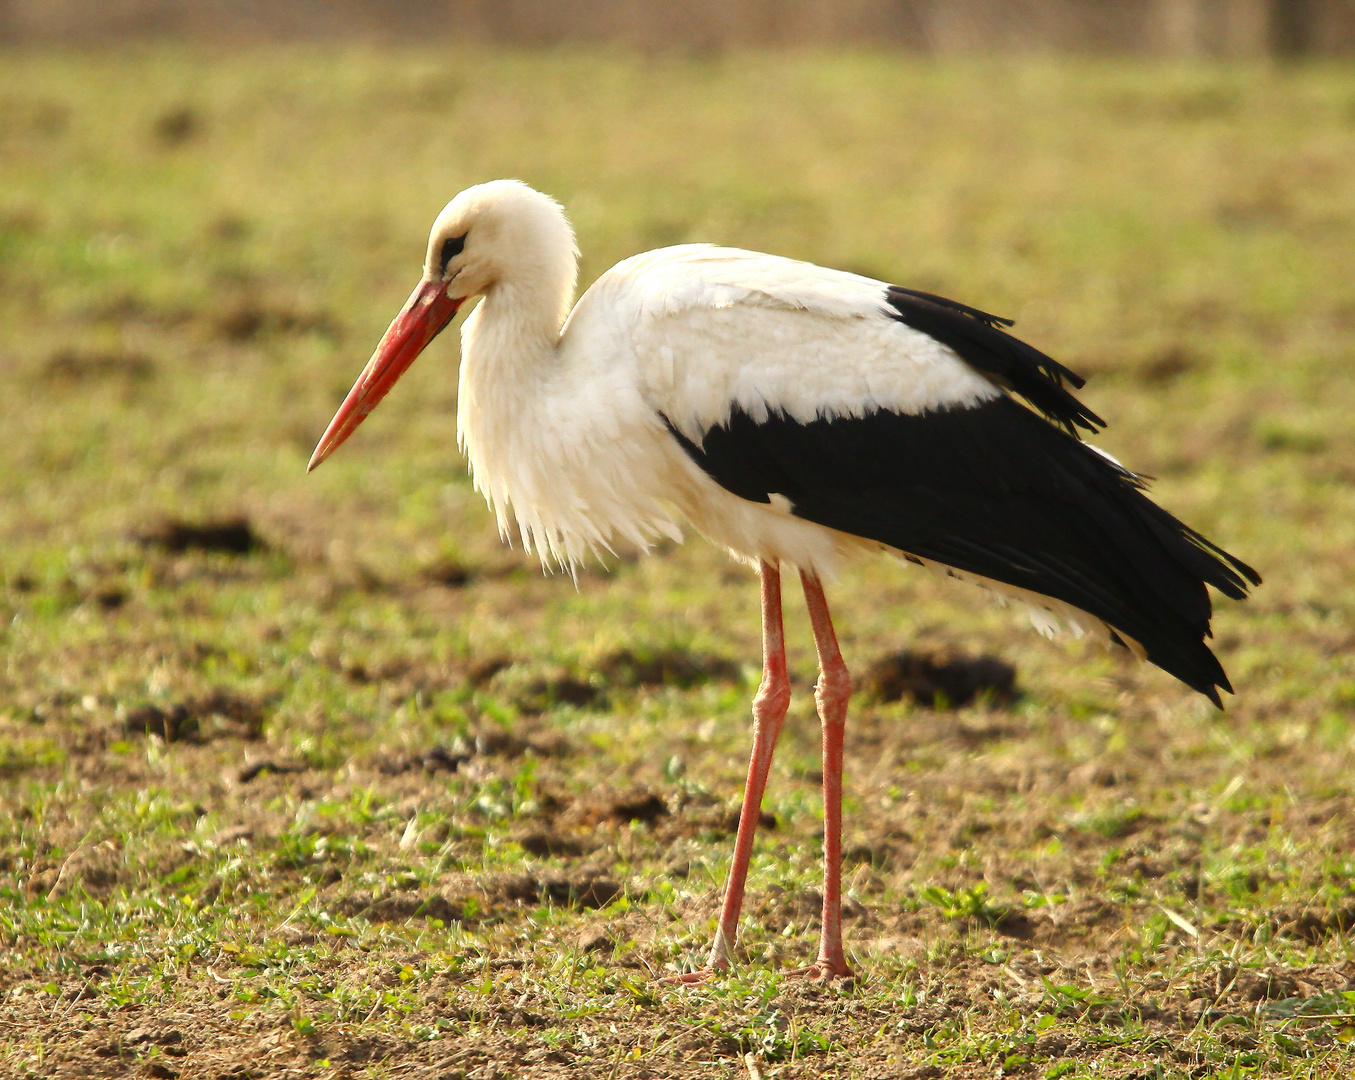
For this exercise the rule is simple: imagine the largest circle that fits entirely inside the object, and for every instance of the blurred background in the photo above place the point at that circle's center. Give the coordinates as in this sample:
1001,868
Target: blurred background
209,212
1141,27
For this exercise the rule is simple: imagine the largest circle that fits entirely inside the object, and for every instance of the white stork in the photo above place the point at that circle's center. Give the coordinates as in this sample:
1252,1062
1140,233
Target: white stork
795,415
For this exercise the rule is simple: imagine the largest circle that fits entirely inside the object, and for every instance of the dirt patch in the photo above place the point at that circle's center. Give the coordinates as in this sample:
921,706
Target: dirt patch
482,671
642,806
585,890
493,742
546,845
939,683
1313,925
220,714
448,573
228,536
1167,367
252,772
728,822
398,906
628,668
249,320
69,367
619,671
434,760
177,126
542,695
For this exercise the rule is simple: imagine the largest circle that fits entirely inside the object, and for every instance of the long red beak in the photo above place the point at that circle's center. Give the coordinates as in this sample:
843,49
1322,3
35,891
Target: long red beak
427,311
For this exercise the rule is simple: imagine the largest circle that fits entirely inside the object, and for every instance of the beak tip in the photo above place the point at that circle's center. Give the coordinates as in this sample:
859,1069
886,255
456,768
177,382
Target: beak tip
424,315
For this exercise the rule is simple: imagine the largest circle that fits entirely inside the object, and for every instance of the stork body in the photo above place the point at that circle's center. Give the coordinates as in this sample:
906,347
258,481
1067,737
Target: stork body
795,415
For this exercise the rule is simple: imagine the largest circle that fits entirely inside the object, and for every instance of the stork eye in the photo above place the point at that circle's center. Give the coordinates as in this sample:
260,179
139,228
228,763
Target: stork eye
451,248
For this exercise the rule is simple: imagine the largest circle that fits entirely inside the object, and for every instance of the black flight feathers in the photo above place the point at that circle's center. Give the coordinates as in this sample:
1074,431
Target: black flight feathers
979,340
995,491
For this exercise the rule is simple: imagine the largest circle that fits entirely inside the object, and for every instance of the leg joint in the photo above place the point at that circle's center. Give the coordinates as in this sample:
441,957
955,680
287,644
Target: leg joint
834,688
772,698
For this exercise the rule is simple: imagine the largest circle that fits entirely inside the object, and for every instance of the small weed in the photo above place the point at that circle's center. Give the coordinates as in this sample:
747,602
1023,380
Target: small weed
972,904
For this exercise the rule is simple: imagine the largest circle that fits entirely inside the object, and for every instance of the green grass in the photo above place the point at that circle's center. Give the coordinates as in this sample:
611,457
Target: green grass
1107,879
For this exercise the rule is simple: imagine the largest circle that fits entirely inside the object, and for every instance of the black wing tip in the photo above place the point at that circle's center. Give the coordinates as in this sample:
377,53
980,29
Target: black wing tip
1011,362
1195,665
995,321
1233,577
1220,682
1090,421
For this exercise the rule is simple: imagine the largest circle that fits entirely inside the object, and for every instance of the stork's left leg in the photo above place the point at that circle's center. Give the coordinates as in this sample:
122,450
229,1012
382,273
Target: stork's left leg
831,694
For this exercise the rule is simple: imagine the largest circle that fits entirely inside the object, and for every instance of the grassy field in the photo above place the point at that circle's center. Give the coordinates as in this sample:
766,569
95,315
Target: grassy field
310,776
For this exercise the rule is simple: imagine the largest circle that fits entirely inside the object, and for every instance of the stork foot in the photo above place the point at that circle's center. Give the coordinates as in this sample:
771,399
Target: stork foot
823,971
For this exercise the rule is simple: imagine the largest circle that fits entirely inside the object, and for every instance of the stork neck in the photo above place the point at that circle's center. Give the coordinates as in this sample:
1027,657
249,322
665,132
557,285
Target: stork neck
508,348
528,317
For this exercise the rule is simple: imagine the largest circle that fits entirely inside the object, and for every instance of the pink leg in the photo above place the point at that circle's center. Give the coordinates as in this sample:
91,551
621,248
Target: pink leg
769,712
831,694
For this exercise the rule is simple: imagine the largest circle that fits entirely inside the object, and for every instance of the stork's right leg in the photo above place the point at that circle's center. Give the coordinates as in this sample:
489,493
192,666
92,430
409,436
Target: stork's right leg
769,713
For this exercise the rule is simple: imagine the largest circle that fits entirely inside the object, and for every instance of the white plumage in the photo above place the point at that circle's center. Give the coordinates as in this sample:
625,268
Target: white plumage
571,444
795,415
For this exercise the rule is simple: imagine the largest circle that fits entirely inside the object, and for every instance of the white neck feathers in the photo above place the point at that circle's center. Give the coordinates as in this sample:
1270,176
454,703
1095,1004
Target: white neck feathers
544,429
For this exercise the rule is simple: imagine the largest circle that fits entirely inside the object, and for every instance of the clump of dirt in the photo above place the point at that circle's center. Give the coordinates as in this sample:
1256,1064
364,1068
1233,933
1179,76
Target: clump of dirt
729,821
626,668
364,673
152,1034
109,597
623,669
642,806
439,759
585,890
546,845
252,772
399,907
448,573
229,536
433,760
177,126
1232,984
248,320
230,227
1167,367
542,695
940,684
72,366
487,742
1314,925
498,742
482,671
221,714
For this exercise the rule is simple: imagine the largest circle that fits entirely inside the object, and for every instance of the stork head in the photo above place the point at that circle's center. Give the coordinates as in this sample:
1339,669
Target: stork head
499,236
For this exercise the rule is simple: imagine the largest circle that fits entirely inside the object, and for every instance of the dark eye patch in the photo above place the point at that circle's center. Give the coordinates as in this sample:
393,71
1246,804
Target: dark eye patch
451,248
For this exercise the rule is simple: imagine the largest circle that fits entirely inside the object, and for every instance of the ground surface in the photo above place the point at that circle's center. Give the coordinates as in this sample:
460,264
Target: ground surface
309,776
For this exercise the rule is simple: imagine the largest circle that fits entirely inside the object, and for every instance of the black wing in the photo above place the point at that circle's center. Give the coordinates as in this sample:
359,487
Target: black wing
978,339
996,491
